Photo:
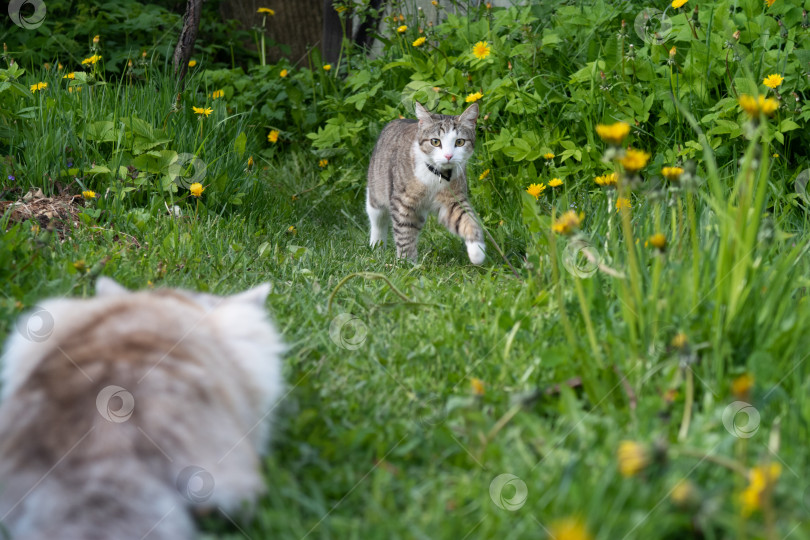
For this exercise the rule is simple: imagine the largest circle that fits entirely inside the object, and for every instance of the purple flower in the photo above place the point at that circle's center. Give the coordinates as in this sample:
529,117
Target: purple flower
11,177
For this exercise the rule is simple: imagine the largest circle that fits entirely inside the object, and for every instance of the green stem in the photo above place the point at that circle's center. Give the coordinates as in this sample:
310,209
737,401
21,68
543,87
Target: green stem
688,401
586,315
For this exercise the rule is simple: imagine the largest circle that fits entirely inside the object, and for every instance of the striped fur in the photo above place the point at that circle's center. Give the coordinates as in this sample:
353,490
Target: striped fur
408,178
193,381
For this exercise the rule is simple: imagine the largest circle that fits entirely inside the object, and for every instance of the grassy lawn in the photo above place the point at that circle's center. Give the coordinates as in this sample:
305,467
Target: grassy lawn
383,433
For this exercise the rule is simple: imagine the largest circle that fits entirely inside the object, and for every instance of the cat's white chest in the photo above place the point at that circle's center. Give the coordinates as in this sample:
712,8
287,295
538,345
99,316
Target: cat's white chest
432,181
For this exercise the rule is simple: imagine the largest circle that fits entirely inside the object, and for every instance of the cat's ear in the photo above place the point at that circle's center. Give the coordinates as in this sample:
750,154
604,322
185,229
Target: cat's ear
470,115
109,287
256,296
422,114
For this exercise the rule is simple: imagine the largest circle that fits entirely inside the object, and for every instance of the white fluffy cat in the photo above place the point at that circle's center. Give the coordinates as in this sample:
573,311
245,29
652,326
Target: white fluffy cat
123,414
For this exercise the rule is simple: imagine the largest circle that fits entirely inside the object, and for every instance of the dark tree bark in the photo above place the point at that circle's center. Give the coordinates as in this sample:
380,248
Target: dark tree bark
188,35
368,28
332,33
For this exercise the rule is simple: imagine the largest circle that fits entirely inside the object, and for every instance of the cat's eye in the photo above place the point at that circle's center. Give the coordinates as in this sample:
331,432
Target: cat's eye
435,142
460,142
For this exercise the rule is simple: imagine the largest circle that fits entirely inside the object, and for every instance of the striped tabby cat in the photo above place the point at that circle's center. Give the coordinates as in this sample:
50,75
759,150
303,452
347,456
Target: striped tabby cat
419,166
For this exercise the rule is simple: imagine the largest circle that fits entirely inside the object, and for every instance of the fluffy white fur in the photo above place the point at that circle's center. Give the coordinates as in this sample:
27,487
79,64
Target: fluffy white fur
205,373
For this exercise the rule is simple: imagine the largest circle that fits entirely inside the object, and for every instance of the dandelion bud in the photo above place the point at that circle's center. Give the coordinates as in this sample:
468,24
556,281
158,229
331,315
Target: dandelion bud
736,35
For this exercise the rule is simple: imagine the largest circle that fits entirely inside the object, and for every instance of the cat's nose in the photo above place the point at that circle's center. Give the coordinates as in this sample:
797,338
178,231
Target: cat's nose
448,156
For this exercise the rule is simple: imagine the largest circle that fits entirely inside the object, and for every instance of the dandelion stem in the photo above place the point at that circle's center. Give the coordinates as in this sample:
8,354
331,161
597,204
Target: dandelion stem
688,401
729,464
555,276
586,316
365,275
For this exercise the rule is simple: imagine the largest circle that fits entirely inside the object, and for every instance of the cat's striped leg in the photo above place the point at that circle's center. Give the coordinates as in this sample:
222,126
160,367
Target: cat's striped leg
408,223
456,213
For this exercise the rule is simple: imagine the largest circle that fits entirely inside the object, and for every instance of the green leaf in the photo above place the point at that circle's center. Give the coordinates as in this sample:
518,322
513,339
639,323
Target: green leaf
240,144
788,125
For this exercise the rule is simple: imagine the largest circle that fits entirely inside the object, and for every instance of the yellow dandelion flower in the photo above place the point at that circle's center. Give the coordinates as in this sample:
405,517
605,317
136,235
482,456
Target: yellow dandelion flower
89,194
613,133
678,3
196,189
555,182
742,385
402,29
250,162
607,179
568,223
419,42
96,39
770,2
535,190
472,98
266,11
283,73
292,230
71,75
323,163
435,3
569,529
673,51
218,94
477,386
768,106
773,80
684,493
192,63
634,160
658,241
80,265
92,60
341,9
483,174
633,458
753,106
679,341
672,173
273,136
327,67
759,480
39,86
202,111
549,156
749,104
481,50
622,202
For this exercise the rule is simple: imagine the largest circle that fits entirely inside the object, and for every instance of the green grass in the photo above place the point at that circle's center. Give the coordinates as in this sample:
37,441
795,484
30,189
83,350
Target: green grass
388,439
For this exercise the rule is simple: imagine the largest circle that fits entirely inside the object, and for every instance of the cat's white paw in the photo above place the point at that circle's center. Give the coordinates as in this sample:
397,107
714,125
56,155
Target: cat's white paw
476,251
378,237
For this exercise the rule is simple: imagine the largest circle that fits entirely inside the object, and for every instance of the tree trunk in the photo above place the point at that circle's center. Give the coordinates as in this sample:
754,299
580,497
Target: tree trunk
188,35
332,33
297,24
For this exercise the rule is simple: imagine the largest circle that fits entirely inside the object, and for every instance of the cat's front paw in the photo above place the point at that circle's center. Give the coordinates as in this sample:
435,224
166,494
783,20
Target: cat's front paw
476,251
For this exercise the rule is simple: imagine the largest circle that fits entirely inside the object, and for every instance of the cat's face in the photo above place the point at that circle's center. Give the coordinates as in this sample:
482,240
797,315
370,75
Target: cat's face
446,141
